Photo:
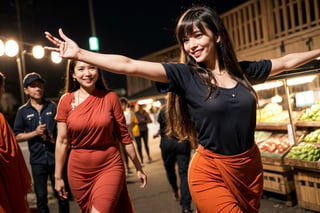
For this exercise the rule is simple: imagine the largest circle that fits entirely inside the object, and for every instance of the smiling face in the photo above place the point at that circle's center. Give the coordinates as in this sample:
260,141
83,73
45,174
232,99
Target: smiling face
201,45
86,74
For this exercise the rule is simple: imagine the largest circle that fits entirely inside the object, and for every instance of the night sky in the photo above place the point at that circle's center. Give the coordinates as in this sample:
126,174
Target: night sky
132,28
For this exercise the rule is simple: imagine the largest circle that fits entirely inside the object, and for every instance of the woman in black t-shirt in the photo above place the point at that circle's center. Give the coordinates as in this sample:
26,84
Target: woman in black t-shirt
215,105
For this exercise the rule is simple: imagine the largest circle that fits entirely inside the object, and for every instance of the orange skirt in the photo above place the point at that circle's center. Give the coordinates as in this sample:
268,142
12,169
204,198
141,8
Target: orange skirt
220,183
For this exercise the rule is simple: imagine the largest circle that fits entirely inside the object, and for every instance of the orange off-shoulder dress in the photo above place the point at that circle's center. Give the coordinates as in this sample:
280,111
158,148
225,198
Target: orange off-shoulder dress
95,167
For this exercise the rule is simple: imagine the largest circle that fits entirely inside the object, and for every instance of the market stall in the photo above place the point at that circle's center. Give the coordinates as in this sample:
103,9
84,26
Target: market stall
288,136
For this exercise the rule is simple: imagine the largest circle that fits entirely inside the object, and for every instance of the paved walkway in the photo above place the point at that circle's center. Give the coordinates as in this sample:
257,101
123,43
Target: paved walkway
157,196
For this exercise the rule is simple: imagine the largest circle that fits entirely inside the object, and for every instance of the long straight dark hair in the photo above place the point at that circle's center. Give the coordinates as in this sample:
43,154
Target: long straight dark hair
202,17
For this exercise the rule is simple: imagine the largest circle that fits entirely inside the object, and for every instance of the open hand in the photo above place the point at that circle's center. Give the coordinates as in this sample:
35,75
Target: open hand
66,47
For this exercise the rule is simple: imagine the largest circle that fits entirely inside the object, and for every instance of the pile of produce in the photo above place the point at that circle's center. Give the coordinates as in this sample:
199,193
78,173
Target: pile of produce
261,135
311,114
272,112
275,144
313,136
305,151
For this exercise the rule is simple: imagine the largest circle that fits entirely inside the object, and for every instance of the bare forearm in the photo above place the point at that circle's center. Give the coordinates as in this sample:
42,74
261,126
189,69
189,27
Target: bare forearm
298,59
21,137
130,149
124,65
114,63
60,158
293,60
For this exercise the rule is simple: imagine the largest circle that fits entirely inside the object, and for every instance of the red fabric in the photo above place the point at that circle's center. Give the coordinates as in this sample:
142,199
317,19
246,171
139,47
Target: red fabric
95,167
220,183
15,180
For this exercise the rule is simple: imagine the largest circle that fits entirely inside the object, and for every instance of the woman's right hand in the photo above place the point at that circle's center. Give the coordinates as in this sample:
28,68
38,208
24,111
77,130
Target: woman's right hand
60,188
66,47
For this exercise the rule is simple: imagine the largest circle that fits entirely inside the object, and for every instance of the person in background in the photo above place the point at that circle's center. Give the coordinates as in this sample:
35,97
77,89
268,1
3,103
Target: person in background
15,179
143,120
131,120
135,125
154,111
214,105
175,152
95,167
35,123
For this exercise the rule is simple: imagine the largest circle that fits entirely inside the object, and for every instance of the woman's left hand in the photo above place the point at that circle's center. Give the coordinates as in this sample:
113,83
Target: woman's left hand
143,179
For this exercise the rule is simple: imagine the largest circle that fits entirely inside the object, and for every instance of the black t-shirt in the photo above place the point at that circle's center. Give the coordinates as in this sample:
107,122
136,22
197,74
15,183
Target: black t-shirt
225,122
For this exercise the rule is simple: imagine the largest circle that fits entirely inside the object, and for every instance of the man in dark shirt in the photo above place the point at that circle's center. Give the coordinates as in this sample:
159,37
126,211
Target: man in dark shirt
35,123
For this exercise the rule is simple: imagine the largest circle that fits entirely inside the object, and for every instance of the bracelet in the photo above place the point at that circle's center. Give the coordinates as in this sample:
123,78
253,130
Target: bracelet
58,178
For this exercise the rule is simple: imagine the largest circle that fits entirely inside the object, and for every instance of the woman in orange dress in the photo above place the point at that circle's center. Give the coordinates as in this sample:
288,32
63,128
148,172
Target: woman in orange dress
15,179
91,122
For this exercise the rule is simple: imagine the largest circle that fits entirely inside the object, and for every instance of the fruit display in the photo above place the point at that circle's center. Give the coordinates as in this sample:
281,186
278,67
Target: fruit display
271,112
261,135
313,136
311,114
278,143
304,151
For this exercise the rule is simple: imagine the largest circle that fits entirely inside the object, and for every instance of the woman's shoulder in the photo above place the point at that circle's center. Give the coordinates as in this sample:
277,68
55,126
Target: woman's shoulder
2,118
256,71
248,66
66,99
67,96
180,77
108,95
180,71
178,67
3,121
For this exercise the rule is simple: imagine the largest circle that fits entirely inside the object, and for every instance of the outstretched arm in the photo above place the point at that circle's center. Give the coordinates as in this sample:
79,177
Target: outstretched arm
292,60
113,63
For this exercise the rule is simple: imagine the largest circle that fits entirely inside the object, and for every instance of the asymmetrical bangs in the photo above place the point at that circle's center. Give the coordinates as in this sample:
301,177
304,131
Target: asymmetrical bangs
194,18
